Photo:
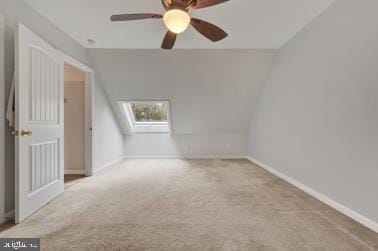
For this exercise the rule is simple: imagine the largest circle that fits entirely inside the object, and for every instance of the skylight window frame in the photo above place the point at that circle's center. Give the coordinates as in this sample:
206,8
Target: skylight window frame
146,127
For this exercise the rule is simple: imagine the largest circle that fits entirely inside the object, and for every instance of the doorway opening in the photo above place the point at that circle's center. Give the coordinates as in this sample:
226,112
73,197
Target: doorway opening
78,148
74,124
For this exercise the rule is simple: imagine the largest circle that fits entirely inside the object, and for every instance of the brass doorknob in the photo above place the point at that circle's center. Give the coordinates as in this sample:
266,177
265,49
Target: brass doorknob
23,133
26,133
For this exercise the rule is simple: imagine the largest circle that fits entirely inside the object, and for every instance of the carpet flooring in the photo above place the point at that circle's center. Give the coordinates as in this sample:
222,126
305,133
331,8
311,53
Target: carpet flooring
189,205
72,179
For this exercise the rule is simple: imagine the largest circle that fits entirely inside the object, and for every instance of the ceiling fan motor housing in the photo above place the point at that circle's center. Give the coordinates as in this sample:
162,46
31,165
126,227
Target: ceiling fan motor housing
178,4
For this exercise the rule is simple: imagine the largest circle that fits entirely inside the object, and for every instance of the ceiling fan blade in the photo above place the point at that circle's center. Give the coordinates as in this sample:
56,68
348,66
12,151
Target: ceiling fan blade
169,40
207,3
208,30
131,17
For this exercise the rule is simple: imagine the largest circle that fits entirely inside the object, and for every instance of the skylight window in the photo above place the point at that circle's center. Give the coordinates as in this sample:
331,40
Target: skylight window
147,116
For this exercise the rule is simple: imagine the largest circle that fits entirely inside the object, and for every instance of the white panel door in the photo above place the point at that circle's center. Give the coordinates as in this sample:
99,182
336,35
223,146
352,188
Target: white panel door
39,123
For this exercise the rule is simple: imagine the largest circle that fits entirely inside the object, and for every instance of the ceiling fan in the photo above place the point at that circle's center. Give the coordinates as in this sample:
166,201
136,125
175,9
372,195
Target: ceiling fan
177,20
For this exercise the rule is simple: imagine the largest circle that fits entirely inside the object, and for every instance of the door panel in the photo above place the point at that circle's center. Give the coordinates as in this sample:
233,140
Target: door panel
43,164
44,89
39,123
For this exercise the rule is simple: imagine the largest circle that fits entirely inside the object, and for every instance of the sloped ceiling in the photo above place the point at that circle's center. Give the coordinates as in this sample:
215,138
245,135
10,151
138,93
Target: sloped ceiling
211,91
252,24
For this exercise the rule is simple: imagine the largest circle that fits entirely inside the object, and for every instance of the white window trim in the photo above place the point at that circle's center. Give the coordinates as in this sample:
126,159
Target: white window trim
146,127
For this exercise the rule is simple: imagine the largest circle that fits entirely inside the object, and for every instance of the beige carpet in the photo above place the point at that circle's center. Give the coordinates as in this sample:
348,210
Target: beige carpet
72,179
190,205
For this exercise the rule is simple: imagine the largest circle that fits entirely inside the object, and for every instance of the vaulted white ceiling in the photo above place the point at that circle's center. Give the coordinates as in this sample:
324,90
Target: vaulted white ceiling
250,23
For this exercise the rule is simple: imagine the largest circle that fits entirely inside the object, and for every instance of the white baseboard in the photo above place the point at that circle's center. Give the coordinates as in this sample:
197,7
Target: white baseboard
187,157
6,217
330,202
109,164
74,172
166,157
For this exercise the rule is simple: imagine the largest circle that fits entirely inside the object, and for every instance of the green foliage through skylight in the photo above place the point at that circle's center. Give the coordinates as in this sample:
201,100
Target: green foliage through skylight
151,112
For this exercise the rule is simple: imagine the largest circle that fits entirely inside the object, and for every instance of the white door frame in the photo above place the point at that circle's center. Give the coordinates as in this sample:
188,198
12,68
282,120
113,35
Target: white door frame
2,120
89,88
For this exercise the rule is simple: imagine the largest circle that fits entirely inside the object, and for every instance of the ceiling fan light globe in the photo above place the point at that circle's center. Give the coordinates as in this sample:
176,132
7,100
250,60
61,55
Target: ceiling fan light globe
177,21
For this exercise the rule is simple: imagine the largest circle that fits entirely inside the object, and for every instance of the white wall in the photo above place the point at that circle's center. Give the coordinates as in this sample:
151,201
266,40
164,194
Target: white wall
210,93
317,119
186,145
18,11
108,139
